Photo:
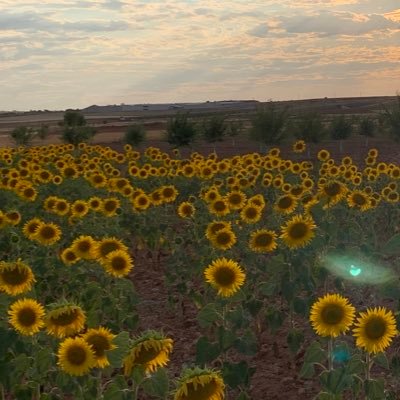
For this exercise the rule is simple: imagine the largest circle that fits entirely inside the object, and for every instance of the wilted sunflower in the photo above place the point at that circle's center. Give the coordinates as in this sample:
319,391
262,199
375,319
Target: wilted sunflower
251,213
298,231
285,204
101,340
263,241
375,329
65,320
117,263
15,277
69,257
200,384
30,227
110,206
47,234
75,356
225,275
359,200
186,209
150,350
26,316
84,247
331,315
223,239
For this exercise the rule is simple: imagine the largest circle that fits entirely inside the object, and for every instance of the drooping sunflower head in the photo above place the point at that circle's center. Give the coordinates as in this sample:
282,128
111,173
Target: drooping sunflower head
331,315
375,329
225,275
26,316
16,277
150,350
84,247
298,231
101,340
223,239
117,263
65,319
200,384
76,356
263,241
107,245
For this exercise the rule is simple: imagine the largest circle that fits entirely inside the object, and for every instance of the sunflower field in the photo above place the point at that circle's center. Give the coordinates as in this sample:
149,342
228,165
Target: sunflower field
253,243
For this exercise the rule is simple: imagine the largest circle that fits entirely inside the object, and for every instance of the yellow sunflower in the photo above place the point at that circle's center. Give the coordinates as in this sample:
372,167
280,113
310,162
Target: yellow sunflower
117,263
79,208
298,231
299,146
219,207
359,200
263,241
323,155
26,316
169,193
65,320
186,209
13,217
15,277
95,203
30,227
223,239
150,350
76,356
101,340
375,329
251,214
225,275
331,315
84,247
285,204
69,257
215,226
47,234
236,199
200,384
107,245
110,206
61,207
141,202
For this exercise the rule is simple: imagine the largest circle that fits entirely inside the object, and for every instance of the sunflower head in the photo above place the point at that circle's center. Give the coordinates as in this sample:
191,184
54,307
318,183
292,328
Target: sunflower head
263,241
331,315
117,263
200,384
101,340
223,239
65,319
186,209
84,247
298,231
150,350
16,277
26,316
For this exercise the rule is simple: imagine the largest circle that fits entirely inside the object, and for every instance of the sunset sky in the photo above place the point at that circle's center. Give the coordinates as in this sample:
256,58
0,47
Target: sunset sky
66,53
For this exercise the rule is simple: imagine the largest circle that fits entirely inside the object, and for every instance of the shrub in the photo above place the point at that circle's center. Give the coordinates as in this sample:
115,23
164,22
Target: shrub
392,119
340,128
22,135
309,127
181,131
214,128
75,128
268,125
367,126
134,135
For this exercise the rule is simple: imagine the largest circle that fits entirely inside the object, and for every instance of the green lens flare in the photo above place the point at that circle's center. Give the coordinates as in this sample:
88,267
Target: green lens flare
354,271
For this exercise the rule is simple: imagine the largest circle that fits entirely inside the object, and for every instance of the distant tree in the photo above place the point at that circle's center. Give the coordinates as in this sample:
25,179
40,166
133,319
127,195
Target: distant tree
135,134
76,129
22,135
340,129
392,118
235,128
214,128
367,127
268,125
181,131
43,132
309,127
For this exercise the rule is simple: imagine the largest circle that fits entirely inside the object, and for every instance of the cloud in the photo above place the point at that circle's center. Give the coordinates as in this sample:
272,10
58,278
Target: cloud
259,31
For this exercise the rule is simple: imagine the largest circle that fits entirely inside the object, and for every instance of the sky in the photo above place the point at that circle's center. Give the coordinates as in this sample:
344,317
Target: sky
74,53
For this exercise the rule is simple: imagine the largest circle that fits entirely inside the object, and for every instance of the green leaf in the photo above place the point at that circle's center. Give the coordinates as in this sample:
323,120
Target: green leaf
294,340
307,371
208,315
355,366
395,365
335,381
375,389
157,385
268,288
206,351
236,374
247,343
274,319
44,359
328,396
113,392
226,338
117,355
254,306
315,353
392,246
381,360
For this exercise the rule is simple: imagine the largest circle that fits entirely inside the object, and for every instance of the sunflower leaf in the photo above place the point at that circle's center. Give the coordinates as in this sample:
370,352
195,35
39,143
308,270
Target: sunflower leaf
375,389
157,385
117,355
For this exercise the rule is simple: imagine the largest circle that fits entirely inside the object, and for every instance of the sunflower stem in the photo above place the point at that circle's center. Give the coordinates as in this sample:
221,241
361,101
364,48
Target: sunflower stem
330,353
368,367
99,385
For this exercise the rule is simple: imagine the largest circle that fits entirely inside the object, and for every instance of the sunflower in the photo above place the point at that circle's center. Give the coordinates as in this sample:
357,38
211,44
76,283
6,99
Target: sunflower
359,200
332,192
215,226
186,209
61,207
76,356
69,257
15,277
141,202
219,207
299,146
65,320
13,217
168,193
235,199
28,193
375,329
285,204
30,227
79,208
110,206
323,155
298,231
156,197
250,213
84,247
150,350
47,234
225,275
101,340
223,239
26,316
117,263
263,241
200,384
331,315
95,203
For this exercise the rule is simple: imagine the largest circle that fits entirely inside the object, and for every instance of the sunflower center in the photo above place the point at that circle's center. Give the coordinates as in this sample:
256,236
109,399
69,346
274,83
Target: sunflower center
359,199
31,228
332,314
251,213
79,208
76,355
201,392
14,276
110,205
143,356
375,328
332,189
70,256
168,192
298,230
47,232
118,263
263,239
187,210
285,202
108,247
99,343
65,318
84,246
216,227
223,238
26,317
224,276
235,199
219,205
